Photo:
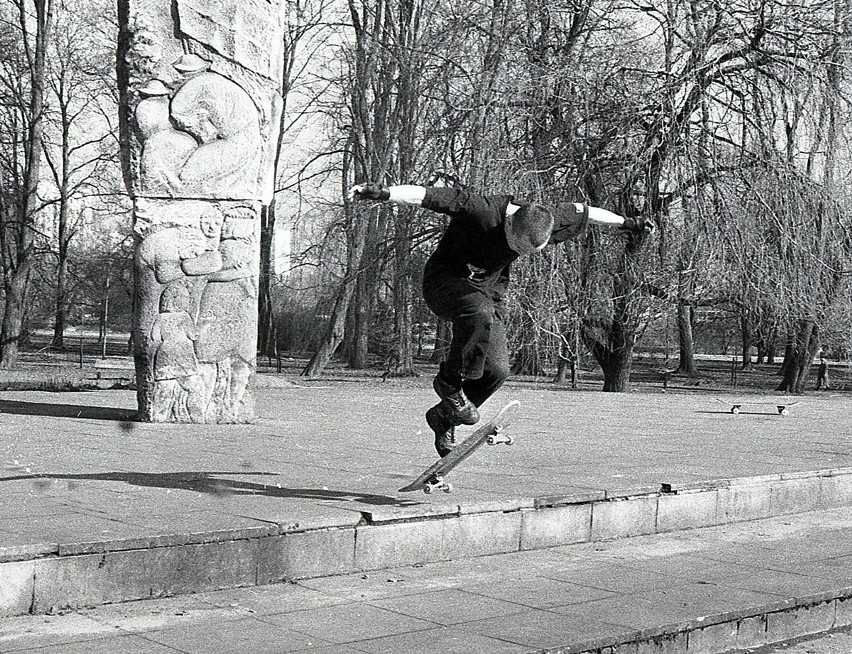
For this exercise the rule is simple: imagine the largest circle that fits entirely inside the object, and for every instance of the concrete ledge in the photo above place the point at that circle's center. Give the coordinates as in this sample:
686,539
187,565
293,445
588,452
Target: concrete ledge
45,578
738,630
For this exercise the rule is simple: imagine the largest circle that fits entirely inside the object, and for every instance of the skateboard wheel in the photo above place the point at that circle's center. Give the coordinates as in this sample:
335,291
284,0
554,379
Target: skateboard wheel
491,440
735,410
783,410
448,488
428,490
510,440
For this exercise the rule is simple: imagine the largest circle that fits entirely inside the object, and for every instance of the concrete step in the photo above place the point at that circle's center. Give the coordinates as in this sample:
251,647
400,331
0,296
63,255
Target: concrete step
701,591
48,577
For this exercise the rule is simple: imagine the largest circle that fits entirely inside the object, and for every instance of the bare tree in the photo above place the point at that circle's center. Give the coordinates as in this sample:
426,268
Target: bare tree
24,82
78,142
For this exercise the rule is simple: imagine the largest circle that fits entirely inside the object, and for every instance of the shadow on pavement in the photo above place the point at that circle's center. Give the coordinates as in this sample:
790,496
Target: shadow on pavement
217,483
67,411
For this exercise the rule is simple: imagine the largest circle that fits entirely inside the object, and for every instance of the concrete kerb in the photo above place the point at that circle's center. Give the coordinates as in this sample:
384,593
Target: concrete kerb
67,575
734,630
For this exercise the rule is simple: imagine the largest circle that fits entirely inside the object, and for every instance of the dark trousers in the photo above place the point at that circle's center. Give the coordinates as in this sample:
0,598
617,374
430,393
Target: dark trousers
478,350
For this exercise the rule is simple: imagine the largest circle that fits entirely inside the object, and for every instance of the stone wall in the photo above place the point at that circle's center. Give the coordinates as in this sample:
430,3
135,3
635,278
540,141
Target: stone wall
200,102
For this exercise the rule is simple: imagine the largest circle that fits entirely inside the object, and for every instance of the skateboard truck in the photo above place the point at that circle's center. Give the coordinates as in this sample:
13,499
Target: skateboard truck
437,483
497,438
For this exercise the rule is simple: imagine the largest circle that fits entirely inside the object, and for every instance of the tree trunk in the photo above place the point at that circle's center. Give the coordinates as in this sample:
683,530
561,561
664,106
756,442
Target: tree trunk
13,316
266,332
569,361
355,241
61,306
615,356
746,342
361,317
403,326
103,322
61,309
799,357
19,277
686,342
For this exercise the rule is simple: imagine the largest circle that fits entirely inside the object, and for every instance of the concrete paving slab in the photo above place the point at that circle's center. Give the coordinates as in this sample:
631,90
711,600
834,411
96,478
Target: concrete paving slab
469,607
78,476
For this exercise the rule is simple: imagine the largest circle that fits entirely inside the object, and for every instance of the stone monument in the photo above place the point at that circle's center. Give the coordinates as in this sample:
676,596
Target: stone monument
200,113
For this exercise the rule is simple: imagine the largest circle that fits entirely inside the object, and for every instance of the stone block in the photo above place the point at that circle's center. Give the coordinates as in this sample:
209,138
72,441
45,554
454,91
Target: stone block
16,587
622,518
210,566
406,543
560,525
713,639
843,612
799,621
626,648
751,632
306,554
675,643
836,491
795,495
93,579
687,510
481,534
743,502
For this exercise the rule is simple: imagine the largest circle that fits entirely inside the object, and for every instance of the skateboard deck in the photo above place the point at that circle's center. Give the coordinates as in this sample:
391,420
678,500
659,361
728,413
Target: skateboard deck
490,433
781,407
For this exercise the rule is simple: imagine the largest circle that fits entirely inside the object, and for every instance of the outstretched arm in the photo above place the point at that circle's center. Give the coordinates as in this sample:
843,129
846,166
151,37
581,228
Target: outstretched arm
597,217
401,194
603,218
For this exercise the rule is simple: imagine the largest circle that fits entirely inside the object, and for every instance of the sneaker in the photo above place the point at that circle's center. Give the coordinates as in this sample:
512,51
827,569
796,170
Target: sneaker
462,410
444,428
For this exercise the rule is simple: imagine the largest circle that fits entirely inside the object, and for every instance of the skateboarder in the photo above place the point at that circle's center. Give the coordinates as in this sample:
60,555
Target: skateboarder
467,275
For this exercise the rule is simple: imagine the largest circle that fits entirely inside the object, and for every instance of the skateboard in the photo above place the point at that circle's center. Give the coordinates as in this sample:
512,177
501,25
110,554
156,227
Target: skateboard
491,433
781,407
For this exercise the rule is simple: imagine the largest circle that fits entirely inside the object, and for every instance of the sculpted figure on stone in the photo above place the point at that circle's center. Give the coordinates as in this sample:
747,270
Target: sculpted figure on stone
223,120
164,148
226,334
177,389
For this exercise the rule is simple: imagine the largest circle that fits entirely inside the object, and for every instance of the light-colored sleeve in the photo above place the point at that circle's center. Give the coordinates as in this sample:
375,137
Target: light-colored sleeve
407,194
604,218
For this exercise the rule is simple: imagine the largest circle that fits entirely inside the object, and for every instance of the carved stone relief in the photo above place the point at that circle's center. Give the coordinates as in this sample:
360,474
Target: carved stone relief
201,105
196,262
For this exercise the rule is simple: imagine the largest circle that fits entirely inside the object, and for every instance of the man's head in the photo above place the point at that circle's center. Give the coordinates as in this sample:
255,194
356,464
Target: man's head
529,228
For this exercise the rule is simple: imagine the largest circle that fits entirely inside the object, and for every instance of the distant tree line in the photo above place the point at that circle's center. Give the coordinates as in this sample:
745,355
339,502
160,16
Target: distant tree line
64,232
726,123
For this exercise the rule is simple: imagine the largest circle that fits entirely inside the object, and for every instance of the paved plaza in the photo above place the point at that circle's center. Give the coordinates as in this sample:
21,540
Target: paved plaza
80,481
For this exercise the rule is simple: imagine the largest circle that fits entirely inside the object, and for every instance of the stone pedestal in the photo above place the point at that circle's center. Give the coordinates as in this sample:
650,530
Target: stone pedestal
200,101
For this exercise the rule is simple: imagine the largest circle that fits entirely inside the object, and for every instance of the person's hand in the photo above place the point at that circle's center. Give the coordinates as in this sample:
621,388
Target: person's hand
369,191
641,226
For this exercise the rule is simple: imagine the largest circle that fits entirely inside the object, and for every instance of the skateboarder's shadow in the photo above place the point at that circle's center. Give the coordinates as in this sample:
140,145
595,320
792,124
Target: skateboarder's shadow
218,483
